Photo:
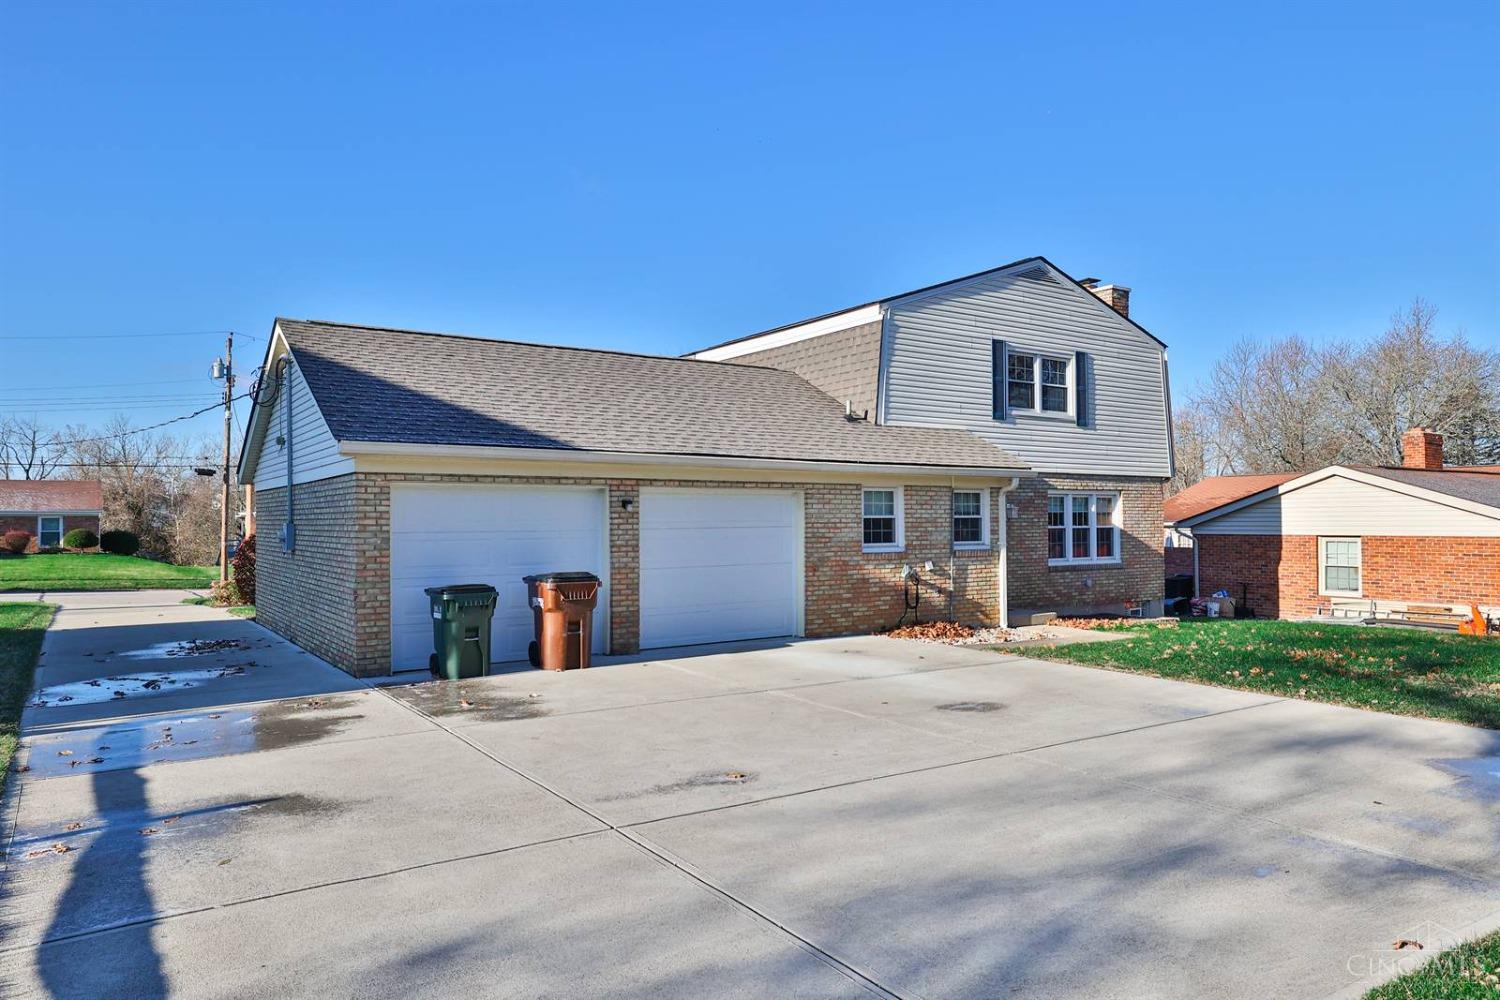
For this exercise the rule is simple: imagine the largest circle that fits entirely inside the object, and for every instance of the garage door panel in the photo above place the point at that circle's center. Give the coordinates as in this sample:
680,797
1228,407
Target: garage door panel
493,535
718,566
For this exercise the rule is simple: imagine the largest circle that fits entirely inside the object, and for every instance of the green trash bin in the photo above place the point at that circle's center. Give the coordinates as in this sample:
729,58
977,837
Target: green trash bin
461,629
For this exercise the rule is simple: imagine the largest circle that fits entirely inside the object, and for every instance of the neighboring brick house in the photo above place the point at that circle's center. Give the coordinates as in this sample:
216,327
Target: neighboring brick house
1205,495
1345,538
717,500
47,509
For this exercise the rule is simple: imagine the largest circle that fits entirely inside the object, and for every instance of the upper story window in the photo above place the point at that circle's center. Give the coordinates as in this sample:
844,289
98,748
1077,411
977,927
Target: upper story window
1038,383
971,519
881,524
1083,528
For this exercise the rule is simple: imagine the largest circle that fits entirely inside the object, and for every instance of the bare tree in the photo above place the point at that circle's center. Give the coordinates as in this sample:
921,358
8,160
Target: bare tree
27,449
1198,455
1270,408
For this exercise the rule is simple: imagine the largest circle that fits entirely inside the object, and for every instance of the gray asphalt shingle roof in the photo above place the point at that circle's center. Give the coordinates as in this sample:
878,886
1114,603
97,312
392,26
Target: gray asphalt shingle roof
375,384
1478,487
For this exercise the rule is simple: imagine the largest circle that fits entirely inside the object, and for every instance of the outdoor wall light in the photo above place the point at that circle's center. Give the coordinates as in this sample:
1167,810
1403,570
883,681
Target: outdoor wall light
627,502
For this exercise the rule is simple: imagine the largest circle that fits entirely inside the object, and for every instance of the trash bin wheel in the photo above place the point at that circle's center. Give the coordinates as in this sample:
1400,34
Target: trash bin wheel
534,654
432,666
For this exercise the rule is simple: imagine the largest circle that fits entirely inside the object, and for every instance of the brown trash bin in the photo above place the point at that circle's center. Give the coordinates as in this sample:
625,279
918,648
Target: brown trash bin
562,607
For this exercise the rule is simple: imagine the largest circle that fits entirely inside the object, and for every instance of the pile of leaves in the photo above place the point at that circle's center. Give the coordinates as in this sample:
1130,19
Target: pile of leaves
933,632
1107,624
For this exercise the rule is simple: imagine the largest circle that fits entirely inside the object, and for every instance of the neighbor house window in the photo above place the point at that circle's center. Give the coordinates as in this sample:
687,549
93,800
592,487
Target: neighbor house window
971,519
48,532
882,531
1338,566
1038,383
1083,528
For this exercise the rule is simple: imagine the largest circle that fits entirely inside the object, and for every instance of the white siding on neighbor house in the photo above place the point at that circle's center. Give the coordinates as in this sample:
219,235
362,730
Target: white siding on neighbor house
1340,506
315,453
937,372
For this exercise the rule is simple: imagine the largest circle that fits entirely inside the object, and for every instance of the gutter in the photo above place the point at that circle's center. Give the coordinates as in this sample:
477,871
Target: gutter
401,448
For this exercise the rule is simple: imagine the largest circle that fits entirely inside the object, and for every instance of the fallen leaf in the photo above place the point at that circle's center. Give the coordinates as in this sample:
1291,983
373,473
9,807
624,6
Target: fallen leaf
465,703
225,862
74,826
170,819
65,753
1401,943
148,831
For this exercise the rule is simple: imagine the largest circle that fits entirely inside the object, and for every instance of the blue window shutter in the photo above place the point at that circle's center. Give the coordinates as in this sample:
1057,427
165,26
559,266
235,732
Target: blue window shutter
997,379
1081,367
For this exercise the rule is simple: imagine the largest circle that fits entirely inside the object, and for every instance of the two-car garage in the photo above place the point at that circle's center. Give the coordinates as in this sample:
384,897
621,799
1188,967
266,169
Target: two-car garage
715,565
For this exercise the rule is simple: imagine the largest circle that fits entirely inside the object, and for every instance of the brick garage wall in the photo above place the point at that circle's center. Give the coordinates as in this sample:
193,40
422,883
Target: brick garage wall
309,595
27,523
1281,571
1140,575
847,590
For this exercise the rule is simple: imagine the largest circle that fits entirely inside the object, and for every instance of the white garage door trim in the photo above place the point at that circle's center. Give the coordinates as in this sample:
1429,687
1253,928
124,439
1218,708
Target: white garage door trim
398,617
798,546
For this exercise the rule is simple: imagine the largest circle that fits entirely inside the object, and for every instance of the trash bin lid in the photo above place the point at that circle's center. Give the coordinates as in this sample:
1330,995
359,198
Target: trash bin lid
460,588
560,578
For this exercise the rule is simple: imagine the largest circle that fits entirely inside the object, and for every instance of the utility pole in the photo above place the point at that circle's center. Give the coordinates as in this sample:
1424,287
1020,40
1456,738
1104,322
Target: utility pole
224,495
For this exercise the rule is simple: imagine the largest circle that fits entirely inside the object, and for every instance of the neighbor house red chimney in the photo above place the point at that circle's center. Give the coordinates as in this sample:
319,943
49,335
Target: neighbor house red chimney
1421,449
1117,297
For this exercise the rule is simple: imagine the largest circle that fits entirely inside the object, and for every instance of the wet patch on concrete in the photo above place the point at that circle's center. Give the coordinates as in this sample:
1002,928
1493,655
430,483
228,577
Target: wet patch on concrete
971,706
1478,777
474,700
121,687
189,647
703,779
192,736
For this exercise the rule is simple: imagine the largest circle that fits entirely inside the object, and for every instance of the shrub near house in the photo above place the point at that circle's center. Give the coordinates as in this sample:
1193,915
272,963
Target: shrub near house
80,538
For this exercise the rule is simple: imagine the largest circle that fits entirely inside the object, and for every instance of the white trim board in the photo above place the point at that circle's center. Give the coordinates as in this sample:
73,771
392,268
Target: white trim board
755,343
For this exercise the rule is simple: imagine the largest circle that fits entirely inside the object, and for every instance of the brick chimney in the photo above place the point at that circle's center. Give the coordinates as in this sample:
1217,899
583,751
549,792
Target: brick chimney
1117,297
1421,449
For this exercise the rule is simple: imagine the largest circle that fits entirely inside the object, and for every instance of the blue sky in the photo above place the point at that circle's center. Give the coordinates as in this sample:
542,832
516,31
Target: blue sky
658,178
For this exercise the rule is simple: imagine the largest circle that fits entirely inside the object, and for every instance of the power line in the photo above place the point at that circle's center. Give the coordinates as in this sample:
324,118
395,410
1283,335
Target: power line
148,427
111,385
119,336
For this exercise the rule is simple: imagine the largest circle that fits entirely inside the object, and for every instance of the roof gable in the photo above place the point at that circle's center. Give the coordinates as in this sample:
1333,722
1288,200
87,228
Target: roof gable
1216,491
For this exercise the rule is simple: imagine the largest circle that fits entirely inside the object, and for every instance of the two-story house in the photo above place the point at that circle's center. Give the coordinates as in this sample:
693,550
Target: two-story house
994,442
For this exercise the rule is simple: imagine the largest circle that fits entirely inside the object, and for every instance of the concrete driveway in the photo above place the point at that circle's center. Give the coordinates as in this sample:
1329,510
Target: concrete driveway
833,818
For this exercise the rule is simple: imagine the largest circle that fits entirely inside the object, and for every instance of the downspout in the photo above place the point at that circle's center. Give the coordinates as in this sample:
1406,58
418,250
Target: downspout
1003,541
1196,591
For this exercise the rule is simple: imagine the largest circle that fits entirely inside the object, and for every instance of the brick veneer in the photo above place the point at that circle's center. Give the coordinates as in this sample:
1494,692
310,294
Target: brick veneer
28,524
310,595
333,594
1280,572
1139,576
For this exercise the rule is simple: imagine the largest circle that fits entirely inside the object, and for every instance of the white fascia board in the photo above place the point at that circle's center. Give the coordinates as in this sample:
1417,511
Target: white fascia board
1354,475
43,512
793,334
397,448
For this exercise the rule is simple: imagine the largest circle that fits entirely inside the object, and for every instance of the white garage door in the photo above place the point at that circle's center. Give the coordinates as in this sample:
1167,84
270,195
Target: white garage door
487,534
717,566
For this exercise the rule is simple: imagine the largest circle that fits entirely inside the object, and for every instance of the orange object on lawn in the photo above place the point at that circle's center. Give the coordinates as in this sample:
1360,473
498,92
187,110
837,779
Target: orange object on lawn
1478,625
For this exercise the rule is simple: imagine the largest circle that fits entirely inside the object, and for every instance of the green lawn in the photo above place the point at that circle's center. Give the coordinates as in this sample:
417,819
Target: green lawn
1471,970
1439,675
98,571
238,610
22,625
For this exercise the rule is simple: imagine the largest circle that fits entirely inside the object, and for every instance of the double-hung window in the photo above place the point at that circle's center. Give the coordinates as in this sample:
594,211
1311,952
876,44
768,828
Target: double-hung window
48,532
881,527
1338,567
1083,528
1038,383
971,519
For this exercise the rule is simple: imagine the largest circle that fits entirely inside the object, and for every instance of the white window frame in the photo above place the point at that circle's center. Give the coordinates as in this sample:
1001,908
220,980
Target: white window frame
1036,356
984,522
60,532
1359,555
899,501
1115,522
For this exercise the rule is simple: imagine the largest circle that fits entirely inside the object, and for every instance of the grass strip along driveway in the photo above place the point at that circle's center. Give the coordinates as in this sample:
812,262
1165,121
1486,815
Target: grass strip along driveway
99,571
1435,675
21,629
1470,970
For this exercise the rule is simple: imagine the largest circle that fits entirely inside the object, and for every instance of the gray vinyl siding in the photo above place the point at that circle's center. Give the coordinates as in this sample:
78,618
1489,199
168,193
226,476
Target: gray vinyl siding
1340,506
937,349
315,453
